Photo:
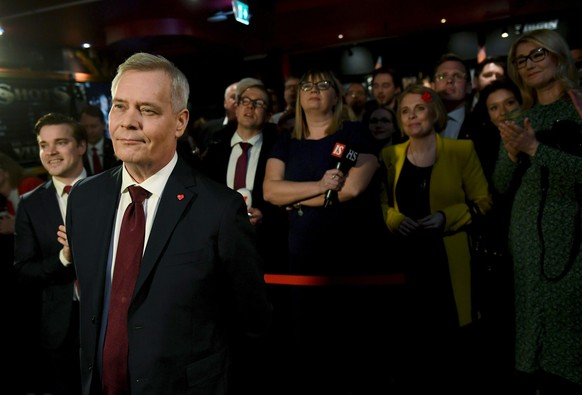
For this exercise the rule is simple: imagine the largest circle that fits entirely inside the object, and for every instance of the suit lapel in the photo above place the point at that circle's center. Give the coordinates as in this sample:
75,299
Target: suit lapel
177,196
49,201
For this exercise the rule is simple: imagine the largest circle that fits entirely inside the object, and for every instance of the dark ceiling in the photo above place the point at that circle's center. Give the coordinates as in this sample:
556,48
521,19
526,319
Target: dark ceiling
282,26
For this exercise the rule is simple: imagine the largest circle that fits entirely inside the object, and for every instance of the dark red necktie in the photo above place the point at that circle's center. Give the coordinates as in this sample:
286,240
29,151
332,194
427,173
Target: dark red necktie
67,189
96,162
240,174
129,254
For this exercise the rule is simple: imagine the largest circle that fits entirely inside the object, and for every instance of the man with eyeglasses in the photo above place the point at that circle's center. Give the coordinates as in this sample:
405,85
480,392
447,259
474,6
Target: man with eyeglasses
220,163
452,83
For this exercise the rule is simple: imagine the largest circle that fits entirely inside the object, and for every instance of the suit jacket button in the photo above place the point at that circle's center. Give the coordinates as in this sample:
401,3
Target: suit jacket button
93,319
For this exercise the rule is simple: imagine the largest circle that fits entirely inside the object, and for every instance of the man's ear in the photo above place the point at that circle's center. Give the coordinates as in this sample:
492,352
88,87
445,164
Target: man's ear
182,122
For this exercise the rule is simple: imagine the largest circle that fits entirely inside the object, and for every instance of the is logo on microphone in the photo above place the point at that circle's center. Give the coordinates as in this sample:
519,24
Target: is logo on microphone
338,150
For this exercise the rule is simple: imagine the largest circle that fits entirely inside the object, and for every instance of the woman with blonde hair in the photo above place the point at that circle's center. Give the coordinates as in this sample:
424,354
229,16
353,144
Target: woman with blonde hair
321,172
544,144
429,180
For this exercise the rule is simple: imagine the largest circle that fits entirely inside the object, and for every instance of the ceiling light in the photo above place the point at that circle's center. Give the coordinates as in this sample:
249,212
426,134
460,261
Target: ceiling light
504,33
444,20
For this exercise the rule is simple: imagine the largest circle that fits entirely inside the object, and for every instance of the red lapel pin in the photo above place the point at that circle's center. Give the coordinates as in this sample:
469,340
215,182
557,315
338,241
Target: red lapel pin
180,196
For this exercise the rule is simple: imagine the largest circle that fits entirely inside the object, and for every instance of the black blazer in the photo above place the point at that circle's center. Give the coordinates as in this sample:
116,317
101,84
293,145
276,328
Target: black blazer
109,158
272,232
36,254
199,281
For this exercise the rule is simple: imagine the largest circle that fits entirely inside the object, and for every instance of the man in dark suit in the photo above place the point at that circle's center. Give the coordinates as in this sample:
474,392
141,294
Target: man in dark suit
199,282
452,81
100,155
253,127
270,221
38,255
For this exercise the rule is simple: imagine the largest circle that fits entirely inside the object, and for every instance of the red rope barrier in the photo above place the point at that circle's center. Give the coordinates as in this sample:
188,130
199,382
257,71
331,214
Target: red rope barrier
291,279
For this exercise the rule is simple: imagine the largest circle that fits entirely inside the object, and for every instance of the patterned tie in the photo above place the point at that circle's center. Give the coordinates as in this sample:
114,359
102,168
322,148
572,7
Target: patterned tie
240,174
129,253
96,162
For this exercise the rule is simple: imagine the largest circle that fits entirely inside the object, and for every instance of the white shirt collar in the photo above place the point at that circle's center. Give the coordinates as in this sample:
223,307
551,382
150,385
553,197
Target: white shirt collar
154,184
255,140
59,185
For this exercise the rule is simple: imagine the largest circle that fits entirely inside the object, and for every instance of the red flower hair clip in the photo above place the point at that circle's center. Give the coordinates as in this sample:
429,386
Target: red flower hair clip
426,97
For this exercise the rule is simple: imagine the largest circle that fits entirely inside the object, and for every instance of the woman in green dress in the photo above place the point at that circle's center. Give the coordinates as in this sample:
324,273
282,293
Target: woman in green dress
545,223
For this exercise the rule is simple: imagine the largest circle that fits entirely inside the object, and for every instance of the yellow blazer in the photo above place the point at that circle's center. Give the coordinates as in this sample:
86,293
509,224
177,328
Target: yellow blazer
456,176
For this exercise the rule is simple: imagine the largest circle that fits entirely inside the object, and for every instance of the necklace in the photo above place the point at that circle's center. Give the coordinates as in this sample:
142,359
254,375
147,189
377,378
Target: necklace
422,173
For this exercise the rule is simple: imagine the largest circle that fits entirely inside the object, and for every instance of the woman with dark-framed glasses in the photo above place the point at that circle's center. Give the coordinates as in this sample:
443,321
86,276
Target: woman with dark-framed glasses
543,144
321,172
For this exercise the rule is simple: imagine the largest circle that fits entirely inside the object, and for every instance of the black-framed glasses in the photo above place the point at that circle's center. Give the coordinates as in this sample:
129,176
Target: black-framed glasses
452,77
245,101
536,56
306,86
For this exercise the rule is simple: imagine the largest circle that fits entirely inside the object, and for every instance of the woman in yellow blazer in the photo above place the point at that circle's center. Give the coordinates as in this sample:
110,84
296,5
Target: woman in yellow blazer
429,181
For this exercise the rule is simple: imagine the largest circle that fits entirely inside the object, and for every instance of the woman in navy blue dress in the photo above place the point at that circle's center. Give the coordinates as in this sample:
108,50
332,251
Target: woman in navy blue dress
329,239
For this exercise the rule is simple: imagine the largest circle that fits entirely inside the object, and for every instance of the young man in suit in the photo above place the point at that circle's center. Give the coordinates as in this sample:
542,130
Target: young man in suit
198,281
99,155
253,127
38,254
452,81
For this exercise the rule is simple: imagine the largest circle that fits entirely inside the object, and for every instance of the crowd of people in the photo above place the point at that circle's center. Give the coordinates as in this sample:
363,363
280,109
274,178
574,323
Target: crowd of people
330,247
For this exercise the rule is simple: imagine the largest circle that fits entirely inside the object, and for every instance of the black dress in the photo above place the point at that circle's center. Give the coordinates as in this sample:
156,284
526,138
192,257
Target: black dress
423,255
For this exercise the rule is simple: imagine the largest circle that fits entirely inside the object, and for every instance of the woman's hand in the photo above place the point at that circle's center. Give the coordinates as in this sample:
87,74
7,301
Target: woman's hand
433,221
517,139
407,227
332,179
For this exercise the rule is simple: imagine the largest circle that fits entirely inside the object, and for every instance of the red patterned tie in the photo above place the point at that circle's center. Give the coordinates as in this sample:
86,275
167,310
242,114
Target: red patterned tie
96,162
240,174
129,254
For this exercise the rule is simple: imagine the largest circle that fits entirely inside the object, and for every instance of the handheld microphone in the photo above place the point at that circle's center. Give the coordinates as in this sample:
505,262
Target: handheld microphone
346,158
246,194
